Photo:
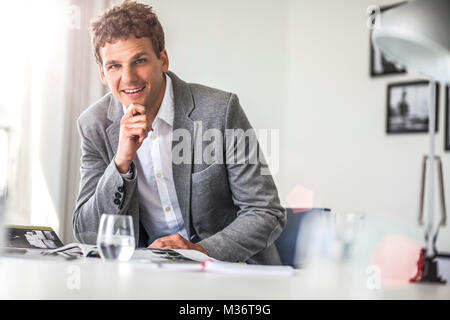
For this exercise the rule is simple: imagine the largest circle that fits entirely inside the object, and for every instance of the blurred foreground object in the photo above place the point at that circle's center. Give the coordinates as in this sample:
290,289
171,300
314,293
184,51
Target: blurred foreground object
318,233
416,34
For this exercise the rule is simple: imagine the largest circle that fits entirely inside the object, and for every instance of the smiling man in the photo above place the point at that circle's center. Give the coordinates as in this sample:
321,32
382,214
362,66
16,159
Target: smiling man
227,210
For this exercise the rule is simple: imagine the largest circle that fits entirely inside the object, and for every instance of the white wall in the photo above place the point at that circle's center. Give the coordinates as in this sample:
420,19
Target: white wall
303,66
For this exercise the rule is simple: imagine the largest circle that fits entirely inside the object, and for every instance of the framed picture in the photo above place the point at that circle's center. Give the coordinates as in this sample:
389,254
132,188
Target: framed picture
447,119
407,107
380,65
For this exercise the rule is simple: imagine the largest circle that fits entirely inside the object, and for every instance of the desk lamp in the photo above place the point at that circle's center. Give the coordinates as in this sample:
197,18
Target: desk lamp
417,35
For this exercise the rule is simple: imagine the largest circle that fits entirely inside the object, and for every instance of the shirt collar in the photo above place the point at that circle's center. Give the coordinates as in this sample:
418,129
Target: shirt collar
166,111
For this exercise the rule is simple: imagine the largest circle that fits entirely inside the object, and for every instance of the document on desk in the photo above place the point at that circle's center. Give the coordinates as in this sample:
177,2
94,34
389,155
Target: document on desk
170,255
173,259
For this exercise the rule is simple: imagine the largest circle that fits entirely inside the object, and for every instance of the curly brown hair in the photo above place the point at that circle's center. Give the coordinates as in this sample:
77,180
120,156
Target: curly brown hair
126,19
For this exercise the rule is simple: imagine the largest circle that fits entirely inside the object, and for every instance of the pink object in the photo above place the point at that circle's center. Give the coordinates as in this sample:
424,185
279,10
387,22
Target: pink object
300,199
396,256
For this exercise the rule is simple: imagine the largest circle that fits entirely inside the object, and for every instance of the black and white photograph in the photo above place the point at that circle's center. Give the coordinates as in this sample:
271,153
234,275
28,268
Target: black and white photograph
408,107
447,118
380,64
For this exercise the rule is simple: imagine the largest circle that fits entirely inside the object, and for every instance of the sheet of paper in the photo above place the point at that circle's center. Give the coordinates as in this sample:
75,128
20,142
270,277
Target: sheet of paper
169,256
194,255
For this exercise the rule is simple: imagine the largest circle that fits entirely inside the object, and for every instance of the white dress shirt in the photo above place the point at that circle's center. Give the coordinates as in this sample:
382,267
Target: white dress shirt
159,210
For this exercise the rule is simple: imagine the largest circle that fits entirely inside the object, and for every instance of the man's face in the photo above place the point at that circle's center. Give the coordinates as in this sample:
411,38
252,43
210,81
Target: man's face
133,72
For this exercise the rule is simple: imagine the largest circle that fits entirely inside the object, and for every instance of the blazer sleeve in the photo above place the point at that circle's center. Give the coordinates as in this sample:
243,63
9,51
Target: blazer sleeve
260,218
102,189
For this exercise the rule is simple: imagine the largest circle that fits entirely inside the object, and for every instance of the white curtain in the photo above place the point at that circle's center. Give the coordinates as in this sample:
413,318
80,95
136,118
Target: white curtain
82,89
51,78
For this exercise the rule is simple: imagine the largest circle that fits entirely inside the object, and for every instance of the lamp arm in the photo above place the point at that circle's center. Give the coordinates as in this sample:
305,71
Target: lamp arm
429,232
443,221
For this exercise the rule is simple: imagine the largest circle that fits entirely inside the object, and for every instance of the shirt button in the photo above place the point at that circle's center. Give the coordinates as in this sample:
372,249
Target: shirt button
167,209
120,189
158,175
117,201
118,195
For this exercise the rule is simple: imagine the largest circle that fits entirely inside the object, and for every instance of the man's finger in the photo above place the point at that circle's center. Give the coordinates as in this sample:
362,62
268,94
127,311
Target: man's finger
158,245
137,108
174,240
136,133
135,125
133,110
137,118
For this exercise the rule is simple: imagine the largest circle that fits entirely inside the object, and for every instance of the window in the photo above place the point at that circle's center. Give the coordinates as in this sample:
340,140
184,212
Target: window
47,67
4,147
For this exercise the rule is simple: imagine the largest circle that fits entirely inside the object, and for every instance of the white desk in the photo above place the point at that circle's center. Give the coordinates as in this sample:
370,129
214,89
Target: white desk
26,278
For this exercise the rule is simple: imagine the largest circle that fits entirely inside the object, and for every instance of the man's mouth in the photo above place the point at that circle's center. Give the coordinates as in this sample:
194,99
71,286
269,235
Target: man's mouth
132,93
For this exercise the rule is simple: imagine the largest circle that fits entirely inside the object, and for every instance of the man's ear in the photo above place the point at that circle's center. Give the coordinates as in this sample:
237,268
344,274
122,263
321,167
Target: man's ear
102,75
165,61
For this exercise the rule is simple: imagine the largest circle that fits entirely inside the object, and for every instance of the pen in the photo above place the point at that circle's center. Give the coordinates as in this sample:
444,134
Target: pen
310,209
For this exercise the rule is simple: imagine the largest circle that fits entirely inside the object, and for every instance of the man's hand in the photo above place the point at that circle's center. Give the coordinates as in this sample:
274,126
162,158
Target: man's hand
175,241
134,128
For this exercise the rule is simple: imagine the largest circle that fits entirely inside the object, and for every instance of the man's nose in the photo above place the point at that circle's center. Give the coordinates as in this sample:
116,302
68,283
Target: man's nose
128,75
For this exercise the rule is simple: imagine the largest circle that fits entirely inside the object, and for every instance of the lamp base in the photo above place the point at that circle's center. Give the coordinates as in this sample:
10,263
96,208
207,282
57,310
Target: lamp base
427,270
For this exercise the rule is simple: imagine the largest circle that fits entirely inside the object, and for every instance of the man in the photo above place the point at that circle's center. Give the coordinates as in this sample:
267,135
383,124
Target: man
403,106
227,210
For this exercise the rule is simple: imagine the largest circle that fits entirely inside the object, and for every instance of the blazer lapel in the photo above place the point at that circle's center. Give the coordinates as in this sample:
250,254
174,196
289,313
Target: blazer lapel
115,114
184,104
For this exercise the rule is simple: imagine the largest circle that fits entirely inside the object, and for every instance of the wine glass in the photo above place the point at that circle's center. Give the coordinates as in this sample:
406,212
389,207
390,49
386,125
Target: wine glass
115,239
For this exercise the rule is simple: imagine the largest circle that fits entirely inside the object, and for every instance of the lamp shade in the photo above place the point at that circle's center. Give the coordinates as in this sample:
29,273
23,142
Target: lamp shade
417,35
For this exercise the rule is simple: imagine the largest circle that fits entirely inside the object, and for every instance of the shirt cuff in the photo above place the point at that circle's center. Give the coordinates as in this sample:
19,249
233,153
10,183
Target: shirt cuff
130,174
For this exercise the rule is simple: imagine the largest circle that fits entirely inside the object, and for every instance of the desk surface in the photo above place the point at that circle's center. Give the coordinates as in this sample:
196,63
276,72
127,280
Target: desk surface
31,278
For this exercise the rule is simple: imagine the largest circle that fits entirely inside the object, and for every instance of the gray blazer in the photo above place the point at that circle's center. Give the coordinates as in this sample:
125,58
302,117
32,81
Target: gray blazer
230,209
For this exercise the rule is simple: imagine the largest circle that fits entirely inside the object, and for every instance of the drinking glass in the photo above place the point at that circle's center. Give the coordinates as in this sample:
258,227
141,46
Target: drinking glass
115,239
315,238
348,229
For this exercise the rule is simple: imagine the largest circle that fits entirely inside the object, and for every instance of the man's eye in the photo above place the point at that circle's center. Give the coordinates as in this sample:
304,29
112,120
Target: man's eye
114,66
139,61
